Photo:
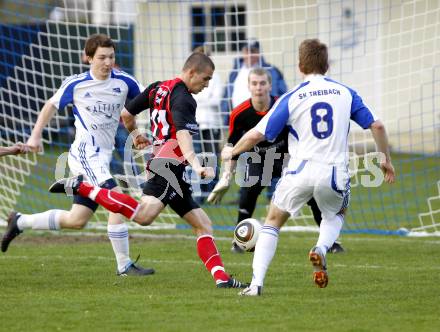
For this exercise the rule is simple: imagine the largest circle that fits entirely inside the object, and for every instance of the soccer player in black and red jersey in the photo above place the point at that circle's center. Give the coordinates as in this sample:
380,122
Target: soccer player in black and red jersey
265,165
172,117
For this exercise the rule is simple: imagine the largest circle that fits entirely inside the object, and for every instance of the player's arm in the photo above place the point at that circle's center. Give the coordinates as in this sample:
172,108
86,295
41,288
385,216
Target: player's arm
380,137
138,104
269,127
129,120
14,149
4,151
366,119
247,142
46,114
185,142
228,166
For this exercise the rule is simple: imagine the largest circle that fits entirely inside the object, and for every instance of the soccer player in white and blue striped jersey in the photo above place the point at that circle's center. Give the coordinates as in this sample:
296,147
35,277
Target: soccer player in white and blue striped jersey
98,97
317,113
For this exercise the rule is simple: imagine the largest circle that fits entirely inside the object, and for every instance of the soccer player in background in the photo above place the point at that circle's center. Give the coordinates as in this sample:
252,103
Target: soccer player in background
98,97
17,148
318,113
268,166
173,122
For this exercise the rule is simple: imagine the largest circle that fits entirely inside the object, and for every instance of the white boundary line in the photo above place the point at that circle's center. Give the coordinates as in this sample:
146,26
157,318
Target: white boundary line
198,262
102,226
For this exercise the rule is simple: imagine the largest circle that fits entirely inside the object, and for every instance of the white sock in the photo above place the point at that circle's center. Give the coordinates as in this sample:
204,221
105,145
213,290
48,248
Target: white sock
329,232
118,235
264,252
44,220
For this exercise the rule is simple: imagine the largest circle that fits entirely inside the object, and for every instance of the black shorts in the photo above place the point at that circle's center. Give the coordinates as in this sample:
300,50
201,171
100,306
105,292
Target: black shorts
265,176
77,199
170,187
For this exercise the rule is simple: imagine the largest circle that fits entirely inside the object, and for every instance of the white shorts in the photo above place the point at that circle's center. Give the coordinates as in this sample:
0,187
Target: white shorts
95,166
329,186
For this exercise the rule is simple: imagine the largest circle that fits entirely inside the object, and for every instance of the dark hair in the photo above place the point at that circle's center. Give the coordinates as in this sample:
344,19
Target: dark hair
95,41
313,57
260,72
198,61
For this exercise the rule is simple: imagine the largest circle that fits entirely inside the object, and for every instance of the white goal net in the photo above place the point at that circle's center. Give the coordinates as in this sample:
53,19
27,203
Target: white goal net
389,51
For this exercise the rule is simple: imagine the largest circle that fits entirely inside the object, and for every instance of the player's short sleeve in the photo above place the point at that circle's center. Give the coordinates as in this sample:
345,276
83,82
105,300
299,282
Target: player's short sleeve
141,101
134,87
273,123
64,94
183,110
360,113
56,98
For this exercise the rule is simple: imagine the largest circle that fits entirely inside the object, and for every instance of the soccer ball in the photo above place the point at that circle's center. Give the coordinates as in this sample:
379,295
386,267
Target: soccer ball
246,233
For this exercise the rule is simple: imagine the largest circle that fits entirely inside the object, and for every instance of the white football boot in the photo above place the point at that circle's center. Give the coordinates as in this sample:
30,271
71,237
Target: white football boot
252,290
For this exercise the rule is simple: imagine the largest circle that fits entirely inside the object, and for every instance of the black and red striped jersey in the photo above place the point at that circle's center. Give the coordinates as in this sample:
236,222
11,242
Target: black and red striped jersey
172,108
244,117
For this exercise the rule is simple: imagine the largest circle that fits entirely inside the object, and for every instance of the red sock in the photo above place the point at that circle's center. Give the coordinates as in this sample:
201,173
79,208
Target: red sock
210,256
109,199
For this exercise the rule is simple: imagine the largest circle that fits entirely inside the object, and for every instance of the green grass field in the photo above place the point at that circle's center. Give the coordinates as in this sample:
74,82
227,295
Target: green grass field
68,283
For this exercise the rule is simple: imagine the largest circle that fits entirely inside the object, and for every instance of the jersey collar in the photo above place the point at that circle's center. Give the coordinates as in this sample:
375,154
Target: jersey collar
310,77
95,79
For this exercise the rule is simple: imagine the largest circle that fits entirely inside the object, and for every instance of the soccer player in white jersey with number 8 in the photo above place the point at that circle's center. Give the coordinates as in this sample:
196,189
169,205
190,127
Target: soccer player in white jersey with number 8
317,113
97,96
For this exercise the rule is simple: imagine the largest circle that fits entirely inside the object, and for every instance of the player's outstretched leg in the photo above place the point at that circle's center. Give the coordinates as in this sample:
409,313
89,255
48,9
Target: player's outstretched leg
114,202
317,258
67,185
109,199
12,231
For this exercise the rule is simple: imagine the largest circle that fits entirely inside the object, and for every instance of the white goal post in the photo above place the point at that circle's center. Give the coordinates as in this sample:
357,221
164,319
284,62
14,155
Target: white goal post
389,51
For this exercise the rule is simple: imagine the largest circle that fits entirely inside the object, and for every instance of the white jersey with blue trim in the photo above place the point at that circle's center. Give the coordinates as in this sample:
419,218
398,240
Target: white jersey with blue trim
317,113
97,106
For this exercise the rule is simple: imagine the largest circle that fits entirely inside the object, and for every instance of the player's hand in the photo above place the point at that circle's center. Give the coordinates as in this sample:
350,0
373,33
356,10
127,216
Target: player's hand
388,170
220,189
206,172
227,152
141,142
20,148
34,144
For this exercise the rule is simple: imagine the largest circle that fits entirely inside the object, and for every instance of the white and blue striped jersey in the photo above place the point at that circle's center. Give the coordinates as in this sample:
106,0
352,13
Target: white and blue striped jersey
317,113
97,106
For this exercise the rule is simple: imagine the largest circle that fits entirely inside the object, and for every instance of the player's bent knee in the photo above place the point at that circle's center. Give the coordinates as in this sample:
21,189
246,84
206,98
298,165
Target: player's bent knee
74,223
144,217
148,209
143,221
